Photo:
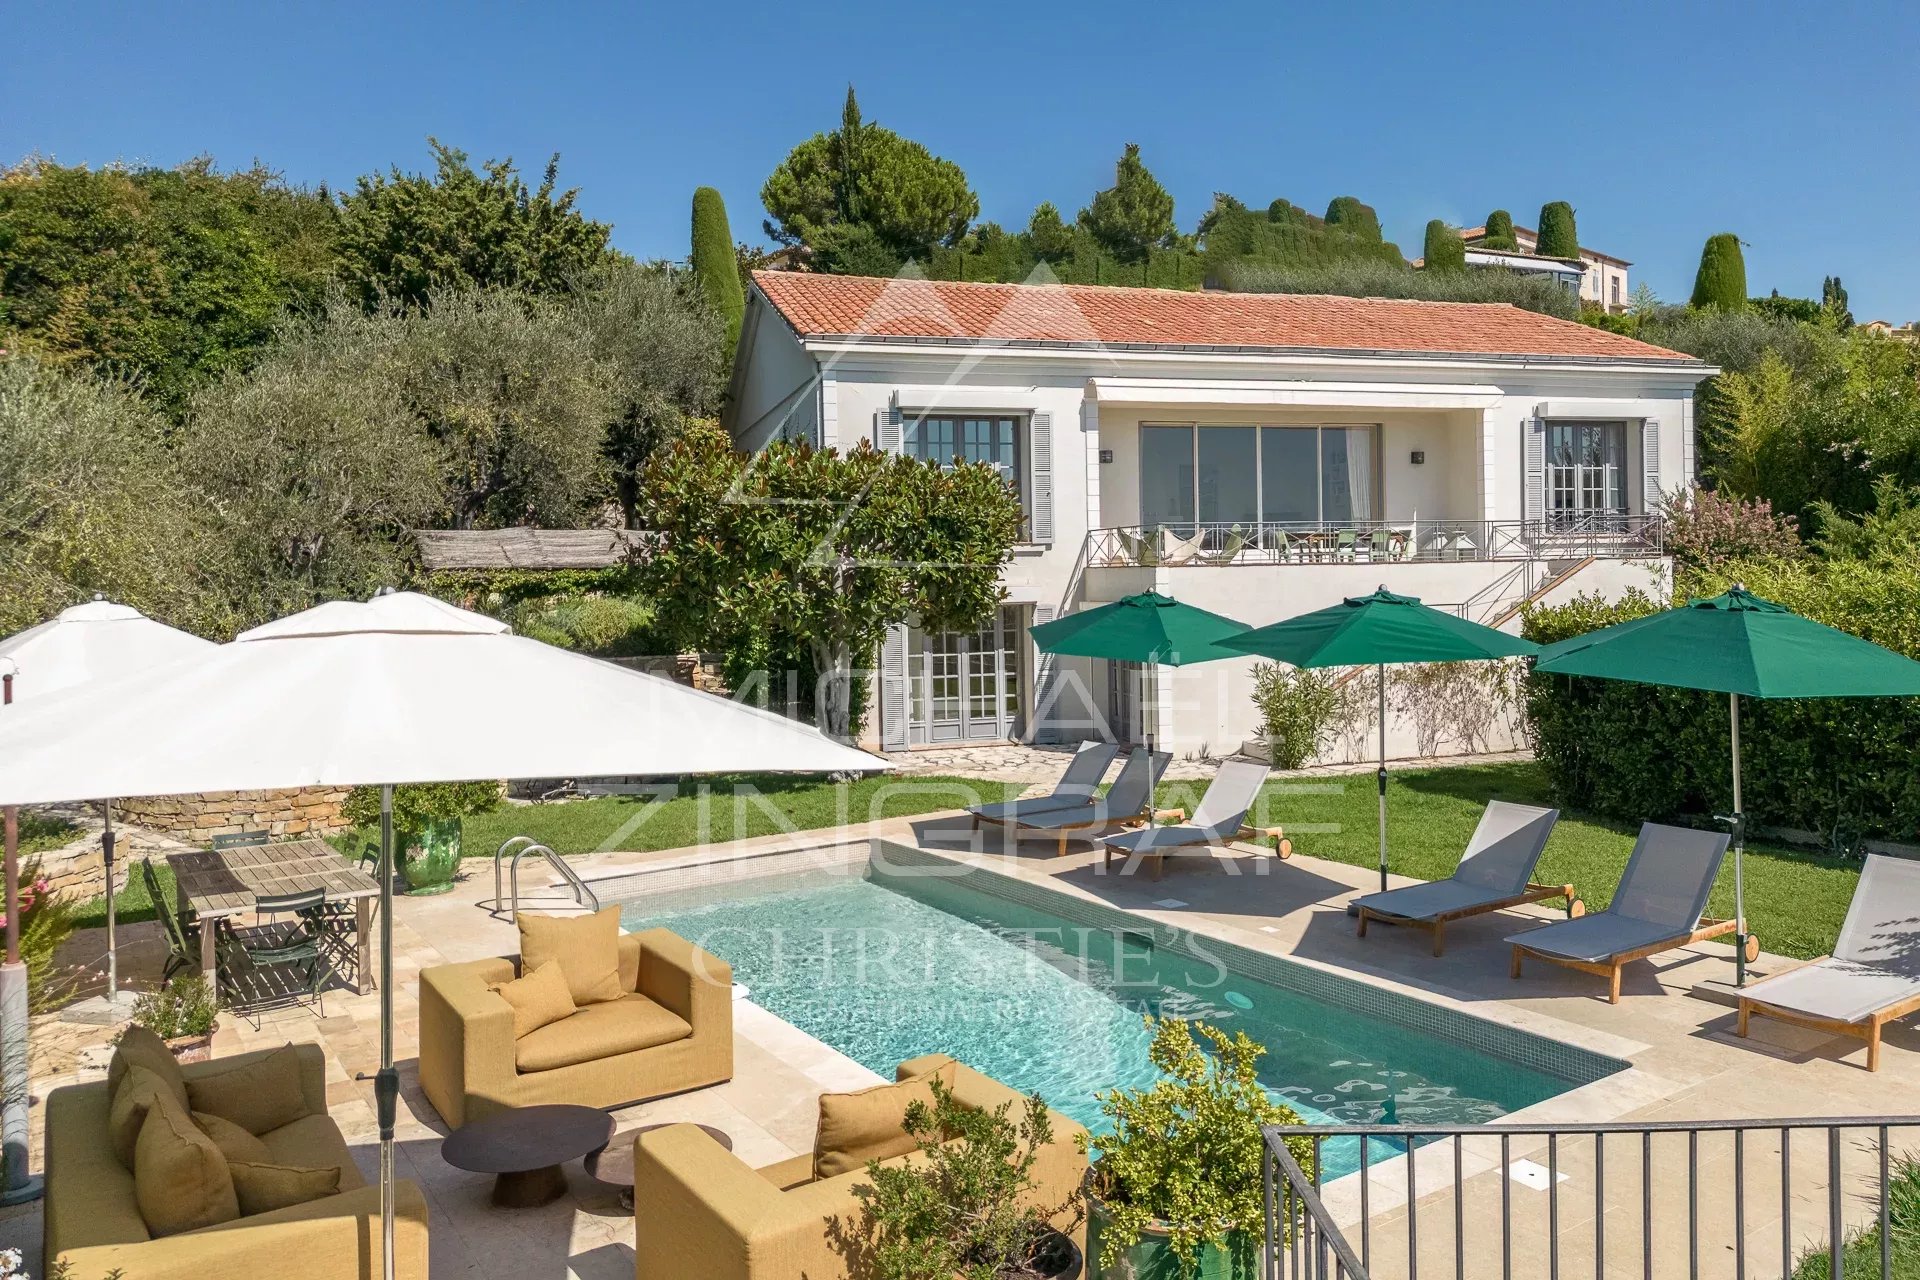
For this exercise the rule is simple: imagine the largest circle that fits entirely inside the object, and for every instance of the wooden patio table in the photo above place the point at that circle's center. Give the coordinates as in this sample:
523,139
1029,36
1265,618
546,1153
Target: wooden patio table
221,884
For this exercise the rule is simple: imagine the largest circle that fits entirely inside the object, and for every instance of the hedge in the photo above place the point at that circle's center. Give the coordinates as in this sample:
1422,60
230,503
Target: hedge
1841,768
1722,279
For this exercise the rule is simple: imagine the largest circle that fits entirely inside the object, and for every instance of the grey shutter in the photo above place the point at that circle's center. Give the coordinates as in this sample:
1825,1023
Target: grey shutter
891,431
1046,678
1534,499
1040,484
893,689
1653,495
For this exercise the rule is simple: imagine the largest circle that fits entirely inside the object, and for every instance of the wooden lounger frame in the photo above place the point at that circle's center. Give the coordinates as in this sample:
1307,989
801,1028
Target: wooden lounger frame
1867,1028
1277,836
1611,966
1437,924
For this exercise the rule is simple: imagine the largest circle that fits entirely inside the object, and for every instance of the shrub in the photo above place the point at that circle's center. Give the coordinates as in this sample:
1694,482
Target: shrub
187,1006
958,1212
1839,767
1557,236
1706,529
1186,1153
1721,282
1367,279
605,625
714,266
1499,233
46,920
1348,213
1297,709
1889,532
1445,250
417,804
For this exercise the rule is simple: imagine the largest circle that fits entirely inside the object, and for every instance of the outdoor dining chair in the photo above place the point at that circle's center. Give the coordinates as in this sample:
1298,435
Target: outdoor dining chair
180,951
279,962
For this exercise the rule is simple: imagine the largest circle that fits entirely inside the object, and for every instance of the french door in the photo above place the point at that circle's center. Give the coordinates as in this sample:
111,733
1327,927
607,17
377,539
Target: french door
964,686
1586,471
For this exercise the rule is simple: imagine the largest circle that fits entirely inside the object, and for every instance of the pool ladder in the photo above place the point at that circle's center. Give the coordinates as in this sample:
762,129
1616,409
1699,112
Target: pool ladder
510,852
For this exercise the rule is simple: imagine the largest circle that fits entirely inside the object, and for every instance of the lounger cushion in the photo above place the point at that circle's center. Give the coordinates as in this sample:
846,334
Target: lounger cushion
1150,839
1840,990
1425,901
258,1094
1595,938
870,1124
1033,807
587,947
538,999
597,1031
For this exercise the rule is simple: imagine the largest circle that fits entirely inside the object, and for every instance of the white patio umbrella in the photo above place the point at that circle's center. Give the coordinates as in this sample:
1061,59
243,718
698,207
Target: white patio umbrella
401,689
87,643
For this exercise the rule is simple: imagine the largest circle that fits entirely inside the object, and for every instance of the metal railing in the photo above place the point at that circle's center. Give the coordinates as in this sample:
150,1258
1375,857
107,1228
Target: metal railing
1375,541
1484,1200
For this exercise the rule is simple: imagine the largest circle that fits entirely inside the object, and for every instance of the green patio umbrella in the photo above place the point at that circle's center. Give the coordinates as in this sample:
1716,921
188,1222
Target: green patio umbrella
1375,631
1148,628
1745,647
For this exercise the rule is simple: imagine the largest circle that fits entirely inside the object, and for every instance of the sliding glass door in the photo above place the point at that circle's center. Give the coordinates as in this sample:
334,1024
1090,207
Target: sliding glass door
1225,476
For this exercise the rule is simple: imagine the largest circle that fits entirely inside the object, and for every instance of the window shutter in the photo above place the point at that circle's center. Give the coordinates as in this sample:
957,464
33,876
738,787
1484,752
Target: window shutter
1040,485
893,689
1046,678
1650,464
1534,500
890,430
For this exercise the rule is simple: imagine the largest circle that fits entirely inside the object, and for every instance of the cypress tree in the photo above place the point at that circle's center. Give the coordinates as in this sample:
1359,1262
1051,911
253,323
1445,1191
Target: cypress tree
1558,239
1446,251
1499,233
1833,299
852,159
1721,282
714,266
1349,214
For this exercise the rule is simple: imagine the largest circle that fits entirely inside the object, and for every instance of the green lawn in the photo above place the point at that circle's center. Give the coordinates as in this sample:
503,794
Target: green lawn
1794,900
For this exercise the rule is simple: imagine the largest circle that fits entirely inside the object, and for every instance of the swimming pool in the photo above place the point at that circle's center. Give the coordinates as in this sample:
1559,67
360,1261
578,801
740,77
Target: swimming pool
1045,992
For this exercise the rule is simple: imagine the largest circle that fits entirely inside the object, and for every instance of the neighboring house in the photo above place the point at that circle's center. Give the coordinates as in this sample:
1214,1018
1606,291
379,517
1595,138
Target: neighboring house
1260,455
1887,329
1602,277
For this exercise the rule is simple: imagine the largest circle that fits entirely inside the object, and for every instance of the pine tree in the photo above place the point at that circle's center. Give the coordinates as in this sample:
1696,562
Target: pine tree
1721,282
1349,214
715,265
1132,216
1499,232
1558,238
1445,251
1049,237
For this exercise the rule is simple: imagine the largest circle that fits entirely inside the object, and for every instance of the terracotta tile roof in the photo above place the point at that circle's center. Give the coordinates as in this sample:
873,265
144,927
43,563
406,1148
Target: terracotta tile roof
823,306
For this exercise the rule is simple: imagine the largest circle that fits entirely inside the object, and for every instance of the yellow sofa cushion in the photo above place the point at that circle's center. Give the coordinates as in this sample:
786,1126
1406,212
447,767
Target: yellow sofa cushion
140,1089
870,1124
313,1142
180,1179
598,1031
262,1188
537,999
138,1046
234,1142
258,1095
586,947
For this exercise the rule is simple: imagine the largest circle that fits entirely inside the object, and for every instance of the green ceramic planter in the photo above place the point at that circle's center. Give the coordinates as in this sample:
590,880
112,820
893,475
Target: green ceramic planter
1153,1258
433,860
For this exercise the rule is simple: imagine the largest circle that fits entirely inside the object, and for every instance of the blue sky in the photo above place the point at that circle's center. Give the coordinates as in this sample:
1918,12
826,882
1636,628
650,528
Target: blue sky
1792,126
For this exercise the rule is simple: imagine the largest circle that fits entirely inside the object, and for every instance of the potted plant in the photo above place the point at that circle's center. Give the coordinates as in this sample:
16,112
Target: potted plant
426,826
185,1013
1175,1189
964,1209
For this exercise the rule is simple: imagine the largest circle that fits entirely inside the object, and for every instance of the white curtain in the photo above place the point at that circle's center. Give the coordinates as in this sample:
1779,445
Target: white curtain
1360,471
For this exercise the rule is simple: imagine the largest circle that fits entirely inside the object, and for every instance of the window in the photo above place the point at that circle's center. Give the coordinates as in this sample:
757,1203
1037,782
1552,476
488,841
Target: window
993,439
1586,470
1616,291
1214,475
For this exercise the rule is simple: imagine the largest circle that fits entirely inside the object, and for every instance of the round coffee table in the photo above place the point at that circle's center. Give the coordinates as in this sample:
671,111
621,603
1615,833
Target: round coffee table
525,1147
613,1163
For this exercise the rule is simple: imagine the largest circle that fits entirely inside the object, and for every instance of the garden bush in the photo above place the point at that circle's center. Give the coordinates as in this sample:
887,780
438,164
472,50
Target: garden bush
1841,768
1298,709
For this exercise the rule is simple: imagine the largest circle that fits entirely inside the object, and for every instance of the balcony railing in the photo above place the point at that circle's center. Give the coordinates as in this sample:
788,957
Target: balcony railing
1743,1198
1617,537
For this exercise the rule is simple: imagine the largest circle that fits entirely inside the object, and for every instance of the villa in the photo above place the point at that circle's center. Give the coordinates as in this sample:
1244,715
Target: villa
1259,455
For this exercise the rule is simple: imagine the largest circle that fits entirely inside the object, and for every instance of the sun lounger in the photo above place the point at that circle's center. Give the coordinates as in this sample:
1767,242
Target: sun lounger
1077,787
1495,872
1218,819
1873,975
1126,802
1656,908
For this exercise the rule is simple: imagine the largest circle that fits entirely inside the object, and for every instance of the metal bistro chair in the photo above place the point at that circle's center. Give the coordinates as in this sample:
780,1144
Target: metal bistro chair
180,951
278,963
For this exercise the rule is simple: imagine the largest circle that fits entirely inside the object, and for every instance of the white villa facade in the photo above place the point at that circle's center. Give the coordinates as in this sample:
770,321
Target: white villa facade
1257,455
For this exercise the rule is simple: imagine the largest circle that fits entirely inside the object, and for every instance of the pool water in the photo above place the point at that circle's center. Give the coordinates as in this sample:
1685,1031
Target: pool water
888,967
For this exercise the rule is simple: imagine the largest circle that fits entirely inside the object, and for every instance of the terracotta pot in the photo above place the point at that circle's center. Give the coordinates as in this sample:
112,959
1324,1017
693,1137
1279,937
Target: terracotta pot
193,1048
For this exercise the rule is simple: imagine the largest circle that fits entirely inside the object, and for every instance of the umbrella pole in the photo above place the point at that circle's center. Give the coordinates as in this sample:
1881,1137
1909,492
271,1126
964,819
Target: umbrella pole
1383,777
386,1085
106,861
1739,842
17,1187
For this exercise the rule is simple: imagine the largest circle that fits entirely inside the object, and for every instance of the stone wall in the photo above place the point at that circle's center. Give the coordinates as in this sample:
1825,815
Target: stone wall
77,869
197,819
